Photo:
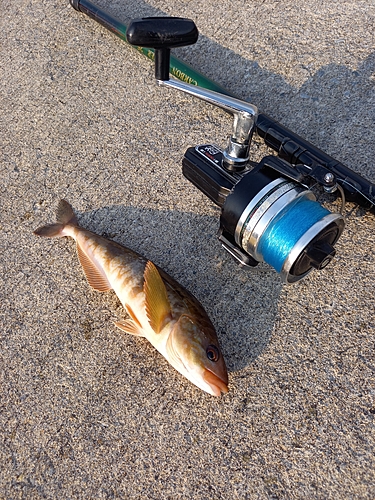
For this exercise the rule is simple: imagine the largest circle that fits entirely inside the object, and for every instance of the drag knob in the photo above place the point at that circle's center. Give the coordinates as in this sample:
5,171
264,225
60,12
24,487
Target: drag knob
320,254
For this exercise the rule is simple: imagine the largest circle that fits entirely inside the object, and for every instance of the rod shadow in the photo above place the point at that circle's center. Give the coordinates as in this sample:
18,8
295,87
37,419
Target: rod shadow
334,109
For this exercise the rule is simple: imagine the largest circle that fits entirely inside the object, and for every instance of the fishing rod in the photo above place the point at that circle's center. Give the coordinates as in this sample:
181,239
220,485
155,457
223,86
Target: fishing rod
268,211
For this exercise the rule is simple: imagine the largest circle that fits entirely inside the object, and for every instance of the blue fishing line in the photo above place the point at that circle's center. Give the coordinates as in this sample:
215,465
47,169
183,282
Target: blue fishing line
281,235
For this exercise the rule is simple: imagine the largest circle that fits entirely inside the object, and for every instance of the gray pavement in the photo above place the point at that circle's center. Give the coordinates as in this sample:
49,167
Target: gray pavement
88,412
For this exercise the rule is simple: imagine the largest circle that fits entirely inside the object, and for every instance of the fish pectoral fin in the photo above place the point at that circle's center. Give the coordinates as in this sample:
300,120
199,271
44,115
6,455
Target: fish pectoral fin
96,278
158,308
128,326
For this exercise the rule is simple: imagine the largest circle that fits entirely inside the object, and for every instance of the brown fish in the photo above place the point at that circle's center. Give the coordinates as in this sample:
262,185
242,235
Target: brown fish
160,309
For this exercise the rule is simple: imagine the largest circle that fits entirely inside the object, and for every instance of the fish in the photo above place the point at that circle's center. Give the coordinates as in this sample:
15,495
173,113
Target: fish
158,307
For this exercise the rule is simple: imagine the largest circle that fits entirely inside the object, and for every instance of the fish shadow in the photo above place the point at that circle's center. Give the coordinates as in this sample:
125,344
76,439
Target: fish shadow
242,303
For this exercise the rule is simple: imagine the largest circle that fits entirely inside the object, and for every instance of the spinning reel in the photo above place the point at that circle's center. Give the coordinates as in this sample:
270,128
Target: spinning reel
268,211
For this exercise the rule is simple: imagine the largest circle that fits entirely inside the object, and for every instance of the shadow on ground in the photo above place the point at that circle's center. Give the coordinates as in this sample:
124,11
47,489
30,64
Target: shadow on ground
333,103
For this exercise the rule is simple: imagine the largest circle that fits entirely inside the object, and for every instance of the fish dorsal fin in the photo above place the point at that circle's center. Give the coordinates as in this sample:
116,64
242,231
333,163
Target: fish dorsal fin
96,278
128,326
158,308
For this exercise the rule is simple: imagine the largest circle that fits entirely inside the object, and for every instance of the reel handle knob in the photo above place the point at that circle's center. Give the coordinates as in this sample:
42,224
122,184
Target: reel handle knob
162,34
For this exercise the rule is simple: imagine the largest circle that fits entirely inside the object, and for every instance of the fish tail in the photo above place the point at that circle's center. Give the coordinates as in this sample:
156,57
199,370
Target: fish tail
65,216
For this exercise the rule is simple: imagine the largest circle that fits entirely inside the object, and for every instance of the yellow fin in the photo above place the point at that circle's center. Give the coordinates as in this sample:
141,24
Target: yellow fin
97,280
158,308
128,326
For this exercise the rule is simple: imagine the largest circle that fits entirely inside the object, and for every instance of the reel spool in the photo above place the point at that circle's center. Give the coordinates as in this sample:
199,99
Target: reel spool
278,221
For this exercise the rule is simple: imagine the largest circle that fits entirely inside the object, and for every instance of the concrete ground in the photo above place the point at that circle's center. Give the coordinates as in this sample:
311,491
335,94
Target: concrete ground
88,412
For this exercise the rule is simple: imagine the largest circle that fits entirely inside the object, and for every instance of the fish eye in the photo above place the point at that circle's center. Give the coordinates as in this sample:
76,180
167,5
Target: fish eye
213,353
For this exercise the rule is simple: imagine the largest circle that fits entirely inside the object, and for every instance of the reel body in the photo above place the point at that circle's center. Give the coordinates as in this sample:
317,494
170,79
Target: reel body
266,216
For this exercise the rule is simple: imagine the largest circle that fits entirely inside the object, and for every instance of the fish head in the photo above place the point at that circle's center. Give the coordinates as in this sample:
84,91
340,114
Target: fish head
193,346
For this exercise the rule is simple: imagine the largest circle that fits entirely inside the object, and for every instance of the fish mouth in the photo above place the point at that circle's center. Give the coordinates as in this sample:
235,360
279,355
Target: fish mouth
217,384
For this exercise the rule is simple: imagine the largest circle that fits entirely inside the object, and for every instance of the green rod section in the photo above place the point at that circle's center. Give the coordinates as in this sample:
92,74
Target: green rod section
178,68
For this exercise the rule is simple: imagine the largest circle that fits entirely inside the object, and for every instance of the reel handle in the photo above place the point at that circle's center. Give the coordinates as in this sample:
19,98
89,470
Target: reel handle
162,34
